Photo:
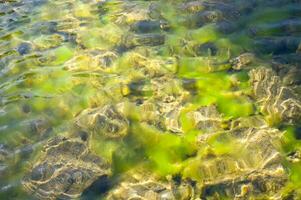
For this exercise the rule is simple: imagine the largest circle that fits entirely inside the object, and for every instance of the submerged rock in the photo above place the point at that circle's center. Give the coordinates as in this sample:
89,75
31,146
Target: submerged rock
277,101
148,39
124,12
106,121
207,119
93,59
163,108
147,26
277,45
44,27
45,42
24,48
139,185
242,61
207,49
65,168
253,168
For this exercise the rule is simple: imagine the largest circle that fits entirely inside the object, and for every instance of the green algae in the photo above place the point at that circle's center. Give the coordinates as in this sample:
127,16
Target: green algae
62,54
215,88
48,41
164,151
161,152
291,144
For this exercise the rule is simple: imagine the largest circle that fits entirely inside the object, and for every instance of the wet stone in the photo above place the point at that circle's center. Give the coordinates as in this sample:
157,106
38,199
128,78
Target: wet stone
277,101
149,39
47,27
206,17
147,26
207,49
207,119
65,168
106,121
26,108
39,127
24,48
106,59
258,169
242,61
143,185
192,6
277,45
226,27
48,41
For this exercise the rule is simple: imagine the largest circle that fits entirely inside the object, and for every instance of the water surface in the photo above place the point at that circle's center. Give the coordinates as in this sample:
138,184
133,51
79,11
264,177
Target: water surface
156,64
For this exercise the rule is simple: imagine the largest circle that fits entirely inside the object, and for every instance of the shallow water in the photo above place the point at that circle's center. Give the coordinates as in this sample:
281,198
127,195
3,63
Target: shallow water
130,78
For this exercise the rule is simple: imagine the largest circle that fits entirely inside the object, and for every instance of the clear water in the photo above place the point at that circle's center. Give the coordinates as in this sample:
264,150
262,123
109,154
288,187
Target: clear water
60,58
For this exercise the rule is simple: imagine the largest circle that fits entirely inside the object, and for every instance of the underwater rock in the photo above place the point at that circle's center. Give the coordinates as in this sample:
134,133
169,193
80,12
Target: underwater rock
159,101
290,75
292,58
92,59
277,101
241,125
199,6
149,39
282,28
151,68
192,6
252,169
150,114
207,49
139,185
226,27
106,59
206,119
148,26
45,42
39,127
24,48
170,98
276,45
242,60
200,19
44,27
124,12
65,168
106,121
172,120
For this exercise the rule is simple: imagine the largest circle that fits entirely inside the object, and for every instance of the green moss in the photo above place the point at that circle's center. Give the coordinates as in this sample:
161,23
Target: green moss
61,54
164,151
205,34
235,106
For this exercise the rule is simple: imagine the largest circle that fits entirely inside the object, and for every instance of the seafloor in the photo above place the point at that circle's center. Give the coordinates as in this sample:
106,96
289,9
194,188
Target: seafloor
150,100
